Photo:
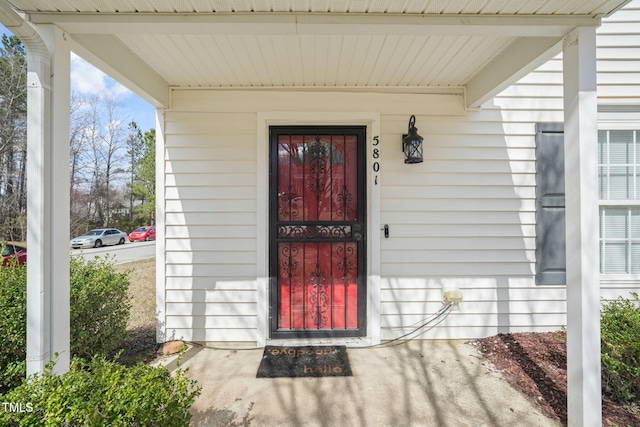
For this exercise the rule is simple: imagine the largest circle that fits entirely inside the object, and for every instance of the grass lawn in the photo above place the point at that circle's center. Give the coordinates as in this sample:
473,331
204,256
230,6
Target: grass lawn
142,292
141,343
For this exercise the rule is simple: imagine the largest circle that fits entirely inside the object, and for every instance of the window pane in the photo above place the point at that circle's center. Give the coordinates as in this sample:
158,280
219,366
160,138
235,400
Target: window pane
603,183
619,165
634,226
635,258
603,158
620,147
619,182
614,224
614,258
620,240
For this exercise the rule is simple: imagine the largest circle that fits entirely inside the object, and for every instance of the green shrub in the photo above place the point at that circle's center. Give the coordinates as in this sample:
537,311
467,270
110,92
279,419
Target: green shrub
620,321
102,393
99,314
99,306
13,324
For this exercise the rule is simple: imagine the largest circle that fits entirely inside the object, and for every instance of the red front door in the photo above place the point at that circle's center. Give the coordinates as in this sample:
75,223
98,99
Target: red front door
317,231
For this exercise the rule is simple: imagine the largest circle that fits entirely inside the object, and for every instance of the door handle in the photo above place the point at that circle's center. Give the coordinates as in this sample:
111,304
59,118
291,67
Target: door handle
357,236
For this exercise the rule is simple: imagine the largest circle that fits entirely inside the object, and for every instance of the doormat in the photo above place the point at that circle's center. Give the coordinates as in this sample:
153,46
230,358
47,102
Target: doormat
309,361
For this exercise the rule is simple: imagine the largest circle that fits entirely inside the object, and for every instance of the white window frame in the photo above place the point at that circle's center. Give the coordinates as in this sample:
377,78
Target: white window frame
619,121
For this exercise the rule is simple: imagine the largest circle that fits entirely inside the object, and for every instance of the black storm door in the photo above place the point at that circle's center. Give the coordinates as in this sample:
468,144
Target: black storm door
317,231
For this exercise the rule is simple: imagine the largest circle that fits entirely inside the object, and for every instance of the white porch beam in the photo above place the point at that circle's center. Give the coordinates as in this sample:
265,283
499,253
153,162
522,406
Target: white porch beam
326,23
345,23
518,60
581,187
110,55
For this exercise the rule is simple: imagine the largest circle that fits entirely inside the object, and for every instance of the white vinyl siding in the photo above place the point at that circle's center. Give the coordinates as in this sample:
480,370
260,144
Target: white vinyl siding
618,52
618,41
210,203
461,234
463,219
211,198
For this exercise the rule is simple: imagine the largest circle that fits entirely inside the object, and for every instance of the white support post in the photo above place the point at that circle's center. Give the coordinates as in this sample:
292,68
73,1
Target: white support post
48,201
57,186
581,187
161,313
38,207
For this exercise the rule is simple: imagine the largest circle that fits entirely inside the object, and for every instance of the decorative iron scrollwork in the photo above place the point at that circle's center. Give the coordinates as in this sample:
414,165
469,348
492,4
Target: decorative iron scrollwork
318,298
344,200
346,261
300,231
288,262
288,202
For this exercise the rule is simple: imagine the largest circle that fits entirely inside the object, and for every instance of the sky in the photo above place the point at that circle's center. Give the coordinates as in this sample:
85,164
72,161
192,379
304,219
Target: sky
88,80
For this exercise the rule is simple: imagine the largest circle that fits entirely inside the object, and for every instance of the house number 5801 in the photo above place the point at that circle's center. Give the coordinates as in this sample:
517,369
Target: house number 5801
376,156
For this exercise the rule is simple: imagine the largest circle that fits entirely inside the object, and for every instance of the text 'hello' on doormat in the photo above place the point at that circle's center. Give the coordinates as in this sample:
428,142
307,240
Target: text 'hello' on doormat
308,361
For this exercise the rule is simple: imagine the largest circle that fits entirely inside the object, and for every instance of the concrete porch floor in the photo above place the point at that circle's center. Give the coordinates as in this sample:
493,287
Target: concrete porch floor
419,383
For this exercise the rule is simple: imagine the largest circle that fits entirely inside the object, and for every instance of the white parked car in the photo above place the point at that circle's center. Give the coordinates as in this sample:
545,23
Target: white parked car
99,237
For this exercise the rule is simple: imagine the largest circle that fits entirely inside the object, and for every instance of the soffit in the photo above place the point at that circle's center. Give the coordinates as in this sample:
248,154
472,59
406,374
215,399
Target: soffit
472,46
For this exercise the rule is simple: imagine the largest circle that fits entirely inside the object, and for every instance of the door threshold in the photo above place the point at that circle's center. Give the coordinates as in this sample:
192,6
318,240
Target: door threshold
295,342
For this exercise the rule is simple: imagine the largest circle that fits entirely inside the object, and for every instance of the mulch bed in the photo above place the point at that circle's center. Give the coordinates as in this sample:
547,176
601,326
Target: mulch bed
536,365
139,346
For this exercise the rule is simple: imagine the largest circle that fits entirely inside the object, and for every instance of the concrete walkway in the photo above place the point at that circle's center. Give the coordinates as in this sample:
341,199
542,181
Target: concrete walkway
420,383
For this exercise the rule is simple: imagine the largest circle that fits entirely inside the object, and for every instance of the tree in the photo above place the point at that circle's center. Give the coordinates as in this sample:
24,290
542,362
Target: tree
78,146
105,142
144,187
13,138
135,148
114,142
107,165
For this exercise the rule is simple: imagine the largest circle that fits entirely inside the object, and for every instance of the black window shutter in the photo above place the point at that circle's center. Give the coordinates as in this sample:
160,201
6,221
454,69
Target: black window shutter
551,257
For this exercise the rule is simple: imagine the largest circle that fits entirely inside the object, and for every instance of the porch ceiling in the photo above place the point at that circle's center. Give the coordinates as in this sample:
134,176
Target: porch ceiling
475,47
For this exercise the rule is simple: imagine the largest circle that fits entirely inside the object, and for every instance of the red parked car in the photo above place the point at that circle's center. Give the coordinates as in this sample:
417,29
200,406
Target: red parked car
146,233
13,254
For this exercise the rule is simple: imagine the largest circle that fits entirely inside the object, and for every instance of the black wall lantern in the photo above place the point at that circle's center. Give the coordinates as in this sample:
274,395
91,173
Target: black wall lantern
412,143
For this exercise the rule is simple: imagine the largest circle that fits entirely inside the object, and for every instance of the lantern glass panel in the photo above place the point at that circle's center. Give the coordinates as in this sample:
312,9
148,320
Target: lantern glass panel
413,151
